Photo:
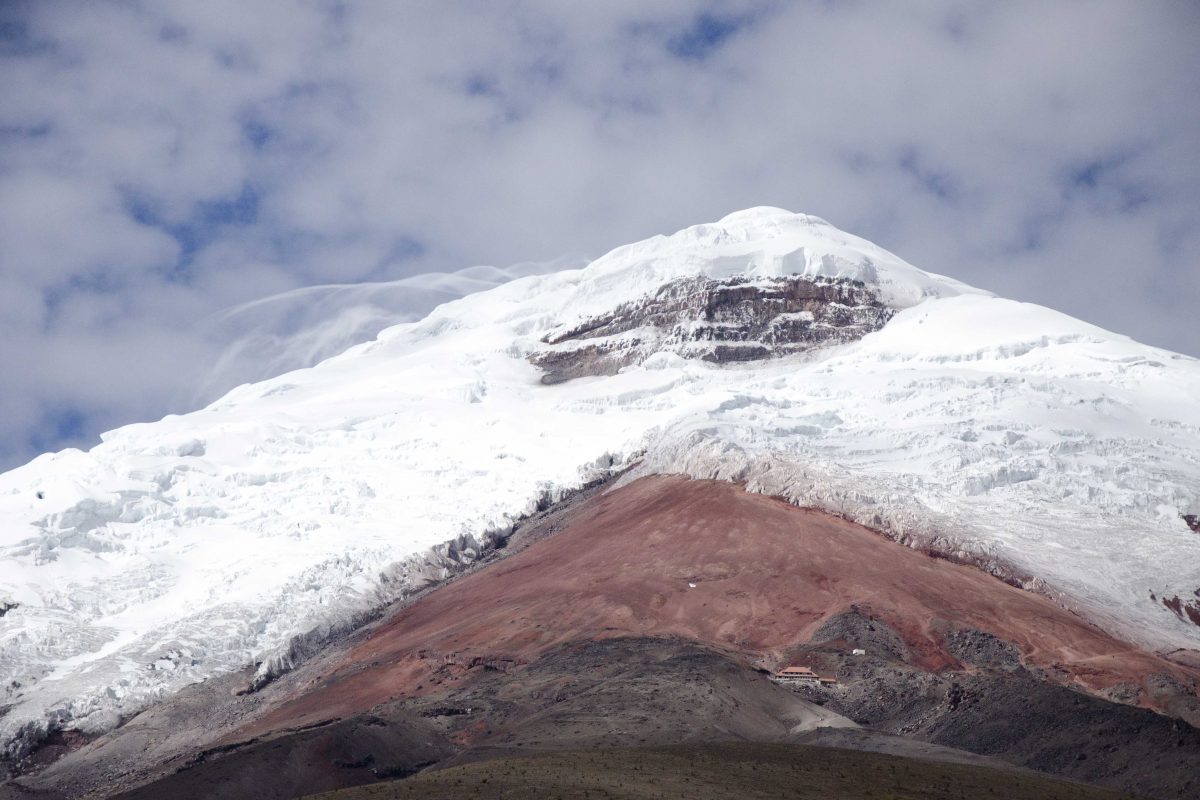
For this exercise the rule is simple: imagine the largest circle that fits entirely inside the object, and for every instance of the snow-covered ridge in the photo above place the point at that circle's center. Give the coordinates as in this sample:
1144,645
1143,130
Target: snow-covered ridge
758,242
201,543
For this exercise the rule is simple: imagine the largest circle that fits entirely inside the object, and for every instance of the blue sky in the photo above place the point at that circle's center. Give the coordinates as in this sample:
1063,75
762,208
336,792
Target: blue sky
162,163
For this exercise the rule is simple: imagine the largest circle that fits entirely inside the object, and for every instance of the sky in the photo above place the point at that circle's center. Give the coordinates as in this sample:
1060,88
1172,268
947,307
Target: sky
194,194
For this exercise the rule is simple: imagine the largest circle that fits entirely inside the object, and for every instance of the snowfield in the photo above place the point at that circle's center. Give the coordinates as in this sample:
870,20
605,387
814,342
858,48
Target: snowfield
1048,450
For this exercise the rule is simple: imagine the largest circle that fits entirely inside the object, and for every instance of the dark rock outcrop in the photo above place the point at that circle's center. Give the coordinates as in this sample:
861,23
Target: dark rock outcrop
982,649
1184,609
854,629
720,321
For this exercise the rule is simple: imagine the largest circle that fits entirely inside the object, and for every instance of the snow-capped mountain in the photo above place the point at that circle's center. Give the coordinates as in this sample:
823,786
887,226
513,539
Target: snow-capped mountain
768,348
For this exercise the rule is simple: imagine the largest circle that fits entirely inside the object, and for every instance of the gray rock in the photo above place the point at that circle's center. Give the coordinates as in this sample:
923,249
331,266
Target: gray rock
720,321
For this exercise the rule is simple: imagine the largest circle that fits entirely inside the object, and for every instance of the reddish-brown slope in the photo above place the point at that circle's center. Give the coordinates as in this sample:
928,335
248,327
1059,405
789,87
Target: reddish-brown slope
765,575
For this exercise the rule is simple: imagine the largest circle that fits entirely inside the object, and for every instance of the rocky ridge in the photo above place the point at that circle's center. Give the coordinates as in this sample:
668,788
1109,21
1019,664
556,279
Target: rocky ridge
716,320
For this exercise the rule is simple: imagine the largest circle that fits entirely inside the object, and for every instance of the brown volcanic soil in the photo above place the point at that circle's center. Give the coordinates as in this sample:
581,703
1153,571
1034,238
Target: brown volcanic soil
709,562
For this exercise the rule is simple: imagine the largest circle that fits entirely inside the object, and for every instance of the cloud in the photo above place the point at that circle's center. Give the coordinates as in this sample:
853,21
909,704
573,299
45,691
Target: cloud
161,163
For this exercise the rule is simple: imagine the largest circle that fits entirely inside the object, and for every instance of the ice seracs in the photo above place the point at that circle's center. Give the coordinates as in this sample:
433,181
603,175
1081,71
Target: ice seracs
1049,451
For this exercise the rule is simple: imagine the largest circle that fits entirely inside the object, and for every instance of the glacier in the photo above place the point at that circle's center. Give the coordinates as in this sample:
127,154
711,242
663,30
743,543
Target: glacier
1059,456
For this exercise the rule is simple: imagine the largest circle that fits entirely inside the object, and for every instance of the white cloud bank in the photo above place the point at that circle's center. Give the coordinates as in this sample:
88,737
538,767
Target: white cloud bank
163,162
